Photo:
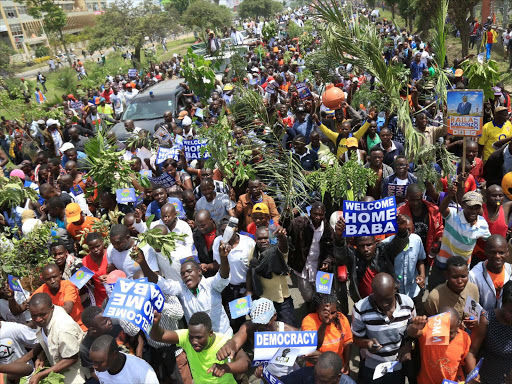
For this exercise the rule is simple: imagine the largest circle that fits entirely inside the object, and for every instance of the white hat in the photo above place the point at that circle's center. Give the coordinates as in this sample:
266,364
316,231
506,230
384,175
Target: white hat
186,121
51,122
40,121
29,225
422,46
65,147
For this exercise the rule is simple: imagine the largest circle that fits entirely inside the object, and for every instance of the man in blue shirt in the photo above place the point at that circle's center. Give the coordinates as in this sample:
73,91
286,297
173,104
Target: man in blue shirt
417,67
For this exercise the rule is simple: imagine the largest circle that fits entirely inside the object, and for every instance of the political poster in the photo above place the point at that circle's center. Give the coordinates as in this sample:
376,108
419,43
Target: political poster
324,282
14,283
77,190
473,308
132,72
387,367
125,195
437,329
135,302
167,153
162,135
474,373
240,307
285,356
303,90
266,344
270,378
81,277
165,180
193,149
271,88
397,190
146,172
465,112
370,218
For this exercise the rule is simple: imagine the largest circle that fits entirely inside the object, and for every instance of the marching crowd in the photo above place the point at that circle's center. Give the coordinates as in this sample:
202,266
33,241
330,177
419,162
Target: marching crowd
450,248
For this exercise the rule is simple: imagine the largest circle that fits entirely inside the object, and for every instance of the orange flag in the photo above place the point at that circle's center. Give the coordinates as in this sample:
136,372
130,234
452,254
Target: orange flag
438,329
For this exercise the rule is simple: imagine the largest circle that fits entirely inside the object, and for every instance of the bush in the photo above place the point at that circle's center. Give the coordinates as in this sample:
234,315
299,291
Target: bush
67,80
42,51
43,59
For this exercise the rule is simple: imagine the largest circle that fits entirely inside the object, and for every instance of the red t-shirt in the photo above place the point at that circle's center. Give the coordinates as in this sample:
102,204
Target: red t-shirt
469,185
490,37
99,270
365,286
209,238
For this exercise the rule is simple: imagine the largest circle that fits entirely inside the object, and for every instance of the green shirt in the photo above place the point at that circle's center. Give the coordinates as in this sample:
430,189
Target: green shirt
371,142
200,362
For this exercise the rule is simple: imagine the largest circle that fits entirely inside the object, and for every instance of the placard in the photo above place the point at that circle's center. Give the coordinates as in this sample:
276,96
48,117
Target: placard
270,378
135,302
303,90
146,172
132,72
167,153
465,112
240,307
81,277
193,149
266,344
165,180
384,368
126,195
397,190
14,283
369,218
324,282
438,329
473,308
474,373
285,356
162,135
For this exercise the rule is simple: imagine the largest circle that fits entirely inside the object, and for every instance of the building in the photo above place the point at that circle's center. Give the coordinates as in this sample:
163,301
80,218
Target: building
24,33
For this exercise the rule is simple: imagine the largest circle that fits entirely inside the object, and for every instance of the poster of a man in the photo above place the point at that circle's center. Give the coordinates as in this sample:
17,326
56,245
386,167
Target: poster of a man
465,103
464,107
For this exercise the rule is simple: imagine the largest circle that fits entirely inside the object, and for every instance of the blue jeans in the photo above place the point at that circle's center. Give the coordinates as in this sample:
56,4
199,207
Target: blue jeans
488,47
345,379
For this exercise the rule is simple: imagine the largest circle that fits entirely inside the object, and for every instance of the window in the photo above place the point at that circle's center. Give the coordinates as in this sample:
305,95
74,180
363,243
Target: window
16,29
10,12
22,10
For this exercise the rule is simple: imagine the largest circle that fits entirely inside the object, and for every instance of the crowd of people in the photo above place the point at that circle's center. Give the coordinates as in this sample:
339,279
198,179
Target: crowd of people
450,248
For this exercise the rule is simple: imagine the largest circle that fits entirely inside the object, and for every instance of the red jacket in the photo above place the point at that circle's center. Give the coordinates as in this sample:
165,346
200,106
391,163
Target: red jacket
435,223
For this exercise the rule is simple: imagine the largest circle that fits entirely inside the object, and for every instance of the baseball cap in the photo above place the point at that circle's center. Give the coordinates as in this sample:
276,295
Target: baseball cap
102,99
65,147
186,121
459,72
500,109
228,87
262,311
73,212
128,85
261,208
51,122
27,214
182,114
276,49
17,173
352,142
472,198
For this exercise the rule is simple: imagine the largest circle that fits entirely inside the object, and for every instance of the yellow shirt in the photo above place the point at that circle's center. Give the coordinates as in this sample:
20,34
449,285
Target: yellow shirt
492,134
342,146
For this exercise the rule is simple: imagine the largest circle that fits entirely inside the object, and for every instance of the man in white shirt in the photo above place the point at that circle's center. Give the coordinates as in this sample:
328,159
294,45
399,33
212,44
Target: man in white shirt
118,252
218,204
7,295
130,93
114,367
14,339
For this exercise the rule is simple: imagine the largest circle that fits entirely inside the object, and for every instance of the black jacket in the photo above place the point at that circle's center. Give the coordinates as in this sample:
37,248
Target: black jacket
204,255
493,168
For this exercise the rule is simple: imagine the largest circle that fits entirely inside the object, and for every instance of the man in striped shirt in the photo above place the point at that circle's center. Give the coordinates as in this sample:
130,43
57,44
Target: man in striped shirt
462,229
379,325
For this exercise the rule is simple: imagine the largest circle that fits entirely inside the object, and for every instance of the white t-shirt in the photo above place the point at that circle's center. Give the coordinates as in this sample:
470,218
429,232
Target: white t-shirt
14,338
6,314
506,38
125,263
135,370
218,207
238,258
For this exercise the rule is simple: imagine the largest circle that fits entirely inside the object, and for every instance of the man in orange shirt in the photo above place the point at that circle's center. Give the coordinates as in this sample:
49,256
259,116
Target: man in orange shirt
62,292
334,333
440,362
77,221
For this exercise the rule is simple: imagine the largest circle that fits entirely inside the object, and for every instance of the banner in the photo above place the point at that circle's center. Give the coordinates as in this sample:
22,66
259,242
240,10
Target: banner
240,307
303,90
126,195
397,190
135,302
474,372
167,153
81,277
165,180
369,218
270,378
465,112
473,308
324,282
438,329
14,283
132,72
266,344
193,149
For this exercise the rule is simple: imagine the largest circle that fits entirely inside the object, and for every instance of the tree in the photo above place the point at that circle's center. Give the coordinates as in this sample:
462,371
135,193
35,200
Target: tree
259,8
179,5
5,55
54,19
459,12
125,24
392,4
205,14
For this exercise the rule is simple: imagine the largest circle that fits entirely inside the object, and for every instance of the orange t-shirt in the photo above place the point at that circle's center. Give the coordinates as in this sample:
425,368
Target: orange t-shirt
76,230
68,292
335,339
440,362
498,279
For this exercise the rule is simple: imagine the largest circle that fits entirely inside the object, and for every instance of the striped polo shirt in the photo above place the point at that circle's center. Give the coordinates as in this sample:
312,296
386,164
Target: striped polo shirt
459,237
369,322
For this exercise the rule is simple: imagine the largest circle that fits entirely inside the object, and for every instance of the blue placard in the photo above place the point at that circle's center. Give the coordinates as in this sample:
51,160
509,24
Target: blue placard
446,381
369,218
240,307
324,282
14,283
167,153
165,180
303,90
474,373
81,277
146,172
135,302
193,149
132,72
190,258
77,190
266,344
126,195
270,378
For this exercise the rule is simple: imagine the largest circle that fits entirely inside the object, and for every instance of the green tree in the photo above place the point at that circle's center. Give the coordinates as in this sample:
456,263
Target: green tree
5,55
179,6
205,14
54,19
259,8
392,4
125,24
460,12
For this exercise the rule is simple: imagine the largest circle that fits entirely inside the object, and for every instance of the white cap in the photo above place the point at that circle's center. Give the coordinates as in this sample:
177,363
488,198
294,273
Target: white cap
422,46
65,147
186,121
51,122
40,121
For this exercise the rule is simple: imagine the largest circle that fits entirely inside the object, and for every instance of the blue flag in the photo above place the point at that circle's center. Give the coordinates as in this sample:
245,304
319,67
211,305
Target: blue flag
135,302
81,277
370,218
474,373
324,282
14,283
146,172
240,307
126,195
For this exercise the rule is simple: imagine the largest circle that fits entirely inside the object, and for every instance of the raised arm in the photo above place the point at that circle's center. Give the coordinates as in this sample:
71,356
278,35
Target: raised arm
162,335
